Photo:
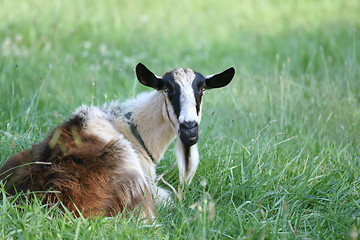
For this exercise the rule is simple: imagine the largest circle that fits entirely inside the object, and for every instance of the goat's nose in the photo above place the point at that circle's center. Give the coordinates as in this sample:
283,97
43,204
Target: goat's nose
189,132
188,125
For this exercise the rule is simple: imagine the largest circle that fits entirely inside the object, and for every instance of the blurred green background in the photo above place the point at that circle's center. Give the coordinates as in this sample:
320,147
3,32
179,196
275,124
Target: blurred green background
279,147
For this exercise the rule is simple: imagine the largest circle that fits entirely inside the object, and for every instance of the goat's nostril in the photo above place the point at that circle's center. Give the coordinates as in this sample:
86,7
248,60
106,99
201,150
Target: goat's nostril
189,125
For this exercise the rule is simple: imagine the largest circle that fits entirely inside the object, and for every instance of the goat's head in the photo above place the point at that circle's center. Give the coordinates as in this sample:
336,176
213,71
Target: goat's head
183,90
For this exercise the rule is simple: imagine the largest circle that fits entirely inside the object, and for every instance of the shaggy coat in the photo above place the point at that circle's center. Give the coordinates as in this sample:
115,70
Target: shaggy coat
102,160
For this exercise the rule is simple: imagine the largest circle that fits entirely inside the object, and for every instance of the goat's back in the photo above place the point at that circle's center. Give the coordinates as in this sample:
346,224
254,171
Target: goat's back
79,169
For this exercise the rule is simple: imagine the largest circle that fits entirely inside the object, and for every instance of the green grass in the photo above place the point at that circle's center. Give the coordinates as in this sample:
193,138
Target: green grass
279,147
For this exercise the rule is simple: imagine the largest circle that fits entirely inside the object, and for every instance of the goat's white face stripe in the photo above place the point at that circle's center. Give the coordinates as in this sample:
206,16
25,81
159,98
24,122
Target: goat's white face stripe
187,105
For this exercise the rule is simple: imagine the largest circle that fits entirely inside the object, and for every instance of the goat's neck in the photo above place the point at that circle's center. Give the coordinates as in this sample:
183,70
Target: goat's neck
155,130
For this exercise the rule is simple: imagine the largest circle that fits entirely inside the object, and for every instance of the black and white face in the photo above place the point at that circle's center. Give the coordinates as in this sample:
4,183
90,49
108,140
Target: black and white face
183,90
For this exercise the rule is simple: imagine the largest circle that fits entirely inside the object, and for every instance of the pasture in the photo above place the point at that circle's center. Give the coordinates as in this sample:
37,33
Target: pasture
279,147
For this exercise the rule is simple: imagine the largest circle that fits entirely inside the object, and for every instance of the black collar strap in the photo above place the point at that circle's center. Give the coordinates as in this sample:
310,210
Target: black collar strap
167,111
137,135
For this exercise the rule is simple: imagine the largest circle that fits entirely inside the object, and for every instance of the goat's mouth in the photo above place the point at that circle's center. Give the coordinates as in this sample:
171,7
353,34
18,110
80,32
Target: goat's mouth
189,133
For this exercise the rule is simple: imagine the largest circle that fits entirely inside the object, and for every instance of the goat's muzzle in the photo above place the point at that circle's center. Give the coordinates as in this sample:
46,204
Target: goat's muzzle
189,133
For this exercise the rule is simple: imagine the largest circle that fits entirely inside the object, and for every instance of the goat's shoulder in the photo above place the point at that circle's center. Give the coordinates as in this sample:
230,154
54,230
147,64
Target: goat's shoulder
99,121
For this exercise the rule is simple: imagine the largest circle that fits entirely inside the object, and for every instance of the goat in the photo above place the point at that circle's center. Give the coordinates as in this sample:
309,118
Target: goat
102,160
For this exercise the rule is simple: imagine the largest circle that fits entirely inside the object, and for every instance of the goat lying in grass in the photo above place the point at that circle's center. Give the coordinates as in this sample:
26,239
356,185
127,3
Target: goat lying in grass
102,160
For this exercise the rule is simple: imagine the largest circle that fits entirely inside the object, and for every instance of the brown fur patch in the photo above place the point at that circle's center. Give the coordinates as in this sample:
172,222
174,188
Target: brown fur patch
80,170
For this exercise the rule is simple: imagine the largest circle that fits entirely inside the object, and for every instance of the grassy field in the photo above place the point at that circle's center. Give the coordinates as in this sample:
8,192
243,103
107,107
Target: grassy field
279,147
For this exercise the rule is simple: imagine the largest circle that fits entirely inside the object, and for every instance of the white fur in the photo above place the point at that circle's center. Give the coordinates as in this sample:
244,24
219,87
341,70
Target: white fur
155,128
193,162
188,106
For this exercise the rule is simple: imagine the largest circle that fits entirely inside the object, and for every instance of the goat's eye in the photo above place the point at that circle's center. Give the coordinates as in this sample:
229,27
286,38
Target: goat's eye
168,89
203,88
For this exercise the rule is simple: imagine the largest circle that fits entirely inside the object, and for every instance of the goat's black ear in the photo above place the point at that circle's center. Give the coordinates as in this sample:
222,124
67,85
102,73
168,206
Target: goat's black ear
220,80
147,78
